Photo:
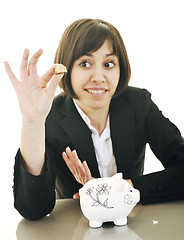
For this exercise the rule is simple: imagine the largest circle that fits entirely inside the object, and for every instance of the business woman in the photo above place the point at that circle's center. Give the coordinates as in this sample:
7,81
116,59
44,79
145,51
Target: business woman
97,127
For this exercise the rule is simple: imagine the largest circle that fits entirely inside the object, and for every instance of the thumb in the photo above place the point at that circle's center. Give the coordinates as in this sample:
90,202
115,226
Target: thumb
53,85
11,75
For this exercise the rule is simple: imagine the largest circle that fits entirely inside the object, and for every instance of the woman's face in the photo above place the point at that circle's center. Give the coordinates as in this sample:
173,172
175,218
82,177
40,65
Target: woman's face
94,78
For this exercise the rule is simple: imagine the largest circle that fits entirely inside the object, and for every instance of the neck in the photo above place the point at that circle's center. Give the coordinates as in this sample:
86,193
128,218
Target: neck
98,120
98,117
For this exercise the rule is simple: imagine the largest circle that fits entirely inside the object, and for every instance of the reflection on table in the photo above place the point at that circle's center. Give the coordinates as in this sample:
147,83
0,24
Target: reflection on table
156,221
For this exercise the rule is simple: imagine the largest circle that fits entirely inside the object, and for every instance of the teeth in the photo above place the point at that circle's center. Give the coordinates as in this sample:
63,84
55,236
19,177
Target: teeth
96,91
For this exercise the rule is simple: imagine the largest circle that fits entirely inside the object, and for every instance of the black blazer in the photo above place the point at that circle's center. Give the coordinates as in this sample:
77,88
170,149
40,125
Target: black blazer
134,121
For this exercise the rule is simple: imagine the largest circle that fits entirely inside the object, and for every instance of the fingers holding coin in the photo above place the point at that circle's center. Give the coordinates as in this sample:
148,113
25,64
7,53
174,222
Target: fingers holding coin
60,69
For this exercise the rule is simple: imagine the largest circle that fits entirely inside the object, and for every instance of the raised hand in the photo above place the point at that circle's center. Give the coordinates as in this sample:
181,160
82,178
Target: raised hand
35,98
79,169
34,95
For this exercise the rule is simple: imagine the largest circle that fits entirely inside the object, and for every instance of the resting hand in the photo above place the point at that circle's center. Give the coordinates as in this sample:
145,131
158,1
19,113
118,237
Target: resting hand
79,169
35,98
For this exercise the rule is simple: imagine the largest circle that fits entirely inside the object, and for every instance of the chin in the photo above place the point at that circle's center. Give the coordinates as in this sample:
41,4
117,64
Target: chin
99,105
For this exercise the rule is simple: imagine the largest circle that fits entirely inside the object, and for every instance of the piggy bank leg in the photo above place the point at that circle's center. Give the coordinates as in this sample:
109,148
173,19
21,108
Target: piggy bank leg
95,224
121,221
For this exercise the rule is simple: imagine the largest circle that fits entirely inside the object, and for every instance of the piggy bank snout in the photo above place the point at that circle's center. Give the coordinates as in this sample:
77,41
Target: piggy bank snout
121,186
136,195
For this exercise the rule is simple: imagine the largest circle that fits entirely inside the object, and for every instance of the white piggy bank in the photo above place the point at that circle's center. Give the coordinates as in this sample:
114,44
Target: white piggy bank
108,199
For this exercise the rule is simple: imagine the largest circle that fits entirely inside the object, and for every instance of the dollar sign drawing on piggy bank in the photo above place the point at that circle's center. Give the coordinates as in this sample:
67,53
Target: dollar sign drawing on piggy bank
108,199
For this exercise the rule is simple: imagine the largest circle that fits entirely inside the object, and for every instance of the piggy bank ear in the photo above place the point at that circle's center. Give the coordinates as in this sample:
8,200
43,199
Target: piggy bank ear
118,176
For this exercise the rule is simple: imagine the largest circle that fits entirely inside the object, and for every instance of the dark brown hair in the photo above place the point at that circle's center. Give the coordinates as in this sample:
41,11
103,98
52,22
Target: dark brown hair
88,35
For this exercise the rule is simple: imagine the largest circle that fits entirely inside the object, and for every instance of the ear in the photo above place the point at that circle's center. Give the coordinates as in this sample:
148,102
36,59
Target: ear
118,176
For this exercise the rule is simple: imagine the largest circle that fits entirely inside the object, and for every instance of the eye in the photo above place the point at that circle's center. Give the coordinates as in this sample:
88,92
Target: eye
109,64
85,64
131,190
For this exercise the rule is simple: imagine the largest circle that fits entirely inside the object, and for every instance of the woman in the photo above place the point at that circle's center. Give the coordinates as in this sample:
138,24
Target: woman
98,125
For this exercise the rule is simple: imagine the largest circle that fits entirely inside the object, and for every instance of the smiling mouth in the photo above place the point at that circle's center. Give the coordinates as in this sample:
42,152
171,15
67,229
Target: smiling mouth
95,91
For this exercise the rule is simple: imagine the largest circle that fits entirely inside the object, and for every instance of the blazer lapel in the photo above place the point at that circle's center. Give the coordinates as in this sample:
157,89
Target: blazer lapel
122,126
122,134
80,136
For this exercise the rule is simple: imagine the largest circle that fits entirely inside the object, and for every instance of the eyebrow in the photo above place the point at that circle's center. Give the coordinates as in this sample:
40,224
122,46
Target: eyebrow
110,54
107,55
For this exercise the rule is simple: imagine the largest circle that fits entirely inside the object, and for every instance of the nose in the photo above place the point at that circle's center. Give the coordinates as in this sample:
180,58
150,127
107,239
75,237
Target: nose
98,75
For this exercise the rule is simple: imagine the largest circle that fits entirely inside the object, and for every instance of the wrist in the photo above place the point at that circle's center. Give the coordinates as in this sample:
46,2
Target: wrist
26,121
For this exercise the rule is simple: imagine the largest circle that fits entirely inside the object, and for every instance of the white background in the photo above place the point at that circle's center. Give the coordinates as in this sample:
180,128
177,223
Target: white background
153,35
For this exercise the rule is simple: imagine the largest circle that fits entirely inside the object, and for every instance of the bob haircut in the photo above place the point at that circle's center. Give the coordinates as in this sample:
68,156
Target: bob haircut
88,35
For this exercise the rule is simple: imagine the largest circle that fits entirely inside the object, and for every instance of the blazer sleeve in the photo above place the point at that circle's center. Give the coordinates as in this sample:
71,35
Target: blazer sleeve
34,196
167,144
